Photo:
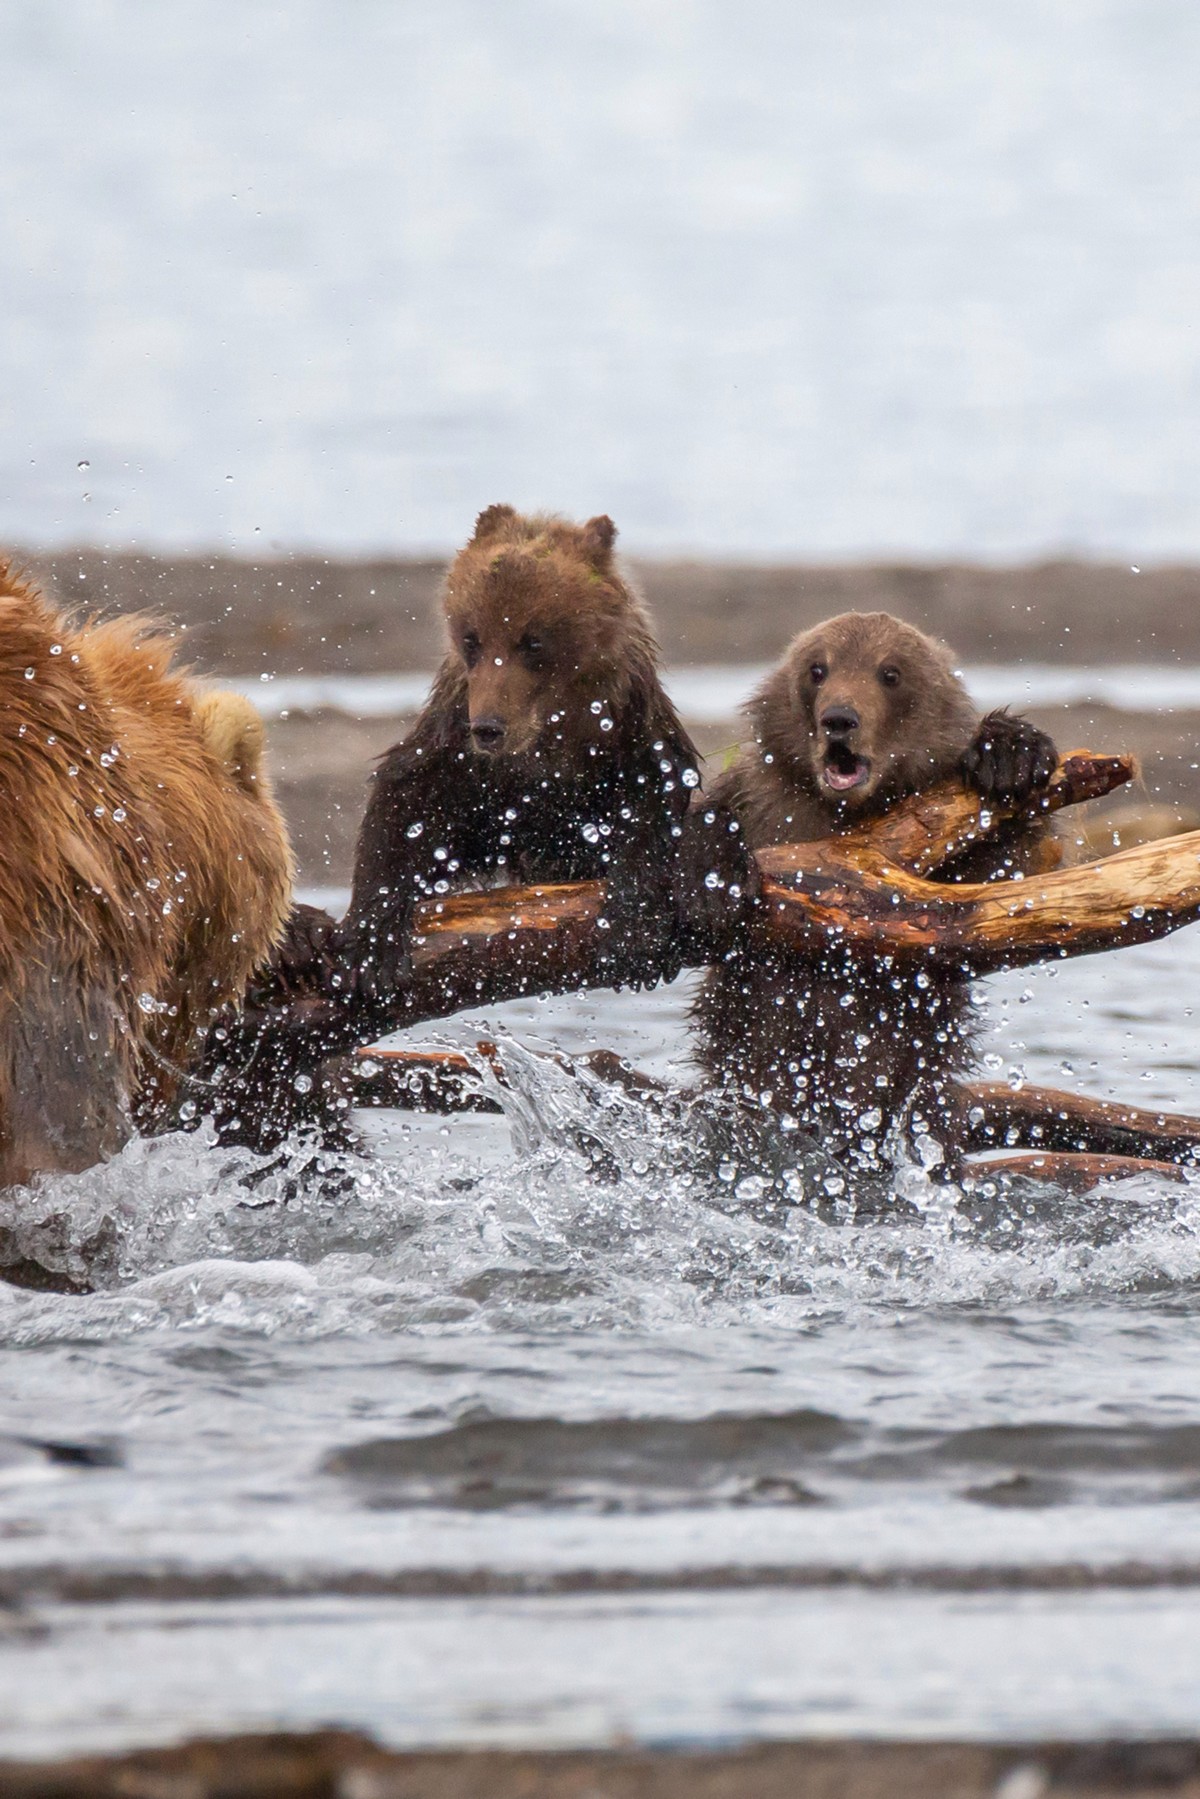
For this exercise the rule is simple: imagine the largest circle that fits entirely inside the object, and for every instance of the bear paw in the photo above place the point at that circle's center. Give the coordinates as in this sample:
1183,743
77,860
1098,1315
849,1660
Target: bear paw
1009,758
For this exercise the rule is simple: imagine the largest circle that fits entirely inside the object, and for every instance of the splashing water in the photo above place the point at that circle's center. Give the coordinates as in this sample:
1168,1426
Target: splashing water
598,1213
588,1347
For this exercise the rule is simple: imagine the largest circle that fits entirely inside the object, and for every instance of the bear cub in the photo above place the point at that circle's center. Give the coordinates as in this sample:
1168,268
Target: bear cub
863,710
546,751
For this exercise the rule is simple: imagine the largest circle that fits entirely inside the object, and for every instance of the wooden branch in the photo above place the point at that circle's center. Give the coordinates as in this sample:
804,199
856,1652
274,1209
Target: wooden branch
418,1080
1077,1173
928,830
1049,1118
479,949
1134,897
851,892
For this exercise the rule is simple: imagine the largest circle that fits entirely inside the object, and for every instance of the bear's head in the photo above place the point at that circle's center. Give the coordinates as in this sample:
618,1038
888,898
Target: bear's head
863,708
547,636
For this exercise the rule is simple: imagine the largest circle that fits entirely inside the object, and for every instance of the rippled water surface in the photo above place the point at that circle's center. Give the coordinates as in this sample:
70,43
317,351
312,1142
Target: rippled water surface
490,1436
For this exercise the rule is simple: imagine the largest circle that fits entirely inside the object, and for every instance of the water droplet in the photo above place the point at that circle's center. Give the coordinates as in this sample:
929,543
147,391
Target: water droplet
29,673
929,1152
414,830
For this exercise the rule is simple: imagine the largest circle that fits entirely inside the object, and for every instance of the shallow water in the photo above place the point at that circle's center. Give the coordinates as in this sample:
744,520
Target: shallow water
713,695
500,1443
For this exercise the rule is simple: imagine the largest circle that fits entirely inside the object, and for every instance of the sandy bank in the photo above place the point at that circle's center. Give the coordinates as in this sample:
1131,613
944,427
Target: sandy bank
335,1765
309,613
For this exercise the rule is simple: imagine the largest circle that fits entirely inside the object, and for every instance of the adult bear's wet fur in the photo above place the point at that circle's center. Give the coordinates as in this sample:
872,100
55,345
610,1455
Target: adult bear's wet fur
546,751
862,710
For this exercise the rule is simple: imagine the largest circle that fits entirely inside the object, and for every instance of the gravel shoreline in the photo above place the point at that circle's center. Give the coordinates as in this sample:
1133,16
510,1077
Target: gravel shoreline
341,1765
305,613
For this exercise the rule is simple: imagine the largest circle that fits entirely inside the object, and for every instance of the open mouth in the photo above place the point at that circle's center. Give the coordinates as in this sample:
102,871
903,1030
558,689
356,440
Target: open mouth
844,770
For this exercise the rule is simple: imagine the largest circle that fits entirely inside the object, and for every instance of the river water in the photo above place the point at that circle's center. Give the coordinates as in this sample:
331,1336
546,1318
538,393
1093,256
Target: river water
803,281
497,1442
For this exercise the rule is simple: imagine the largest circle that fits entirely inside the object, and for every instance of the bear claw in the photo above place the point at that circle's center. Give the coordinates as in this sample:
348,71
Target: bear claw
1009,758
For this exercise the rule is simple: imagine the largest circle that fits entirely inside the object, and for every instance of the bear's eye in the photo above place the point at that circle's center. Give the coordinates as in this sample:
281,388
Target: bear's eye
470,648
817,673
531,649
889,674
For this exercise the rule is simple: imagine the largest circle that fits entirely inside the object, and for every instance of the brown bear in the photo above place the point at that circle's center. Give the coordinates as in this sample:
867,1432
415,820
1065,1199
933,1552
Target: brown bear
546,751
862,710
145,870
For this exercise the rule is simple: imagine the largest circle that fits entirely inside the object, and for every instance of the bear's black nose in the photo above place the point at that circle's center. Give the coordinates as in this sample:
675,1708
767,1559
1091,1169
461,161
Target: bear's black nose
839,721
488,732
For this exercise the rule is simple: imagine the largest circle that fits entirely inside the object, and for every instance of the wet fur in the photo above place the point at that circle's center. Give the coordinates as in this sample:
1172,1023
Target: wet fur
853,1047
144,870
595,776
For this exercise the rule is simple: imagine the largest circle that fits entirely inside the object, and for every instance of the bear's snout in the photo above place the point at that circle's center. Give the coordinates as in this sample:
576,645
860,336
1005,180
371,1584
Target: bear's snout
839,720
488,733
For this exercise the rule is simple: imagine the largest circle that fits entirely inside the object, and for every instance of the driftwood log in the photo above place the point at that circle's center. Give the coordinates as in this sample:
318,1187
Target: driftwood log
871,888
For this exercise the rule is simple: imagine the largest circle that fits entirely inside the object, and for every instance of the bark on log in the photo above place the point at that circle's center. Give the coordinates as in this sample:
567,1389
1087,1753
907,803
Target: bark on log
1077,1173
1049,1118
858,890
478,949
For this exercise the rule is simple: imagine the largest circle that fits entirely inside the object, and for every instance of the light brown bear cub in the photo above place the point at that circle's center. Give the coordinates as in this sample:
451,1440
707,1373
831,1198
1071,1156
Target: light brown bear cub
144,872
862,710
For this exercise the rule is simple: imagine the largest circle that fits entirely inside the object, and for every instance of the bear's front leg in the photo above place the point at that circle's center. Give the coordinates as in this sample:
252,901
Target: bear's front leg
717,881
1008,758
374,956
639,934
300,962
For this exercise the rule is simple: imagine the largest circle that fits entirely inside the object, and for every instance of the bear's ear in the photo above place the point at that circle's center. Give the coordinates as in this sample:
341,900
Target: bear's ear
491,521
598,537
233,731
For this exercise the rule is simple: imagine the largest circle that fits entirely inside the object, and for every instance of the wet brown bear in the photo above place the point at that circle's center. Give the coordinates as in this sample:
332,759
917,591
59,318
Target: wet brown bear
862,710
547,750
144,871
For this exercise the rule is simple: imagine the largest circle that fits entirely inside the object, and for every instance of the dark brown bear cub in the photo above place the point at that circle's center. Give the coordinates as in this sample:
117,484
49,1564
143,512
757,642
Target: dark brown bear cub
863,710
546,751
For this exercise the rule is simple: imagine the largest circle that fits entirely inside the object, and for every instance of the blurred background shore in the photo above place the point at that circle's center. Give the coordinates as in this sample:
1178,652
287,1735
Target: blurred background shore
348,1766
1100,654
